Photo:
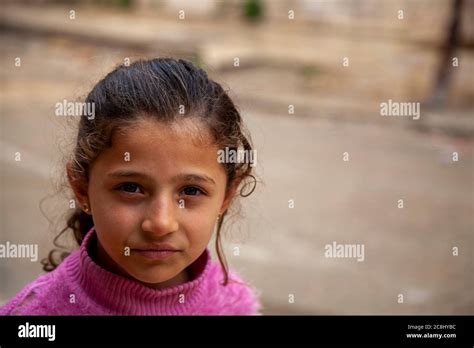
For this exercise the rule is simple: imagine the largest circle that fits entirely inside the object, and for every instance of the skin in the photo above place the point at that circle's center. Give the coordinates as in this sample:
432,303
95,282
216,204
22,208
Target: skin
136,210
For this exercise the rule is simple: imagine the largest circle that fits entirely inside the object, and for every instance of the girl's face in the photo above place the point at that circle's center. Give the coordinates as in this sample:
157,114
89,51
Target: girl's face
158,187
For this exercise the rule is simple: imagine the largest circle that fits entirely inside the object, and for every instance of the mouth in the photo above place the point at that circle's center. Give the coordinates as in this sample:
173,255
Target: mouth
156,252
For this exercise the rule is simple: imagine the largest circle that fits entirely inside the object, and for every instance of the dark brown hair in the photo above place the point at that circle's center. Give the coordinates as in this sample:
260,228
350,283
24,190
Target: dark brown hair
157,88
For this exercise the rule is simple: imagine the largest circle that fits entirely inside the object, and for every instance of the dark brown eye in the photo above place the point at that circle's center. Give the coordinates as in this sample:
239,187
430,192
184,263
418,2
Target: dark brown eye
192,191
129,188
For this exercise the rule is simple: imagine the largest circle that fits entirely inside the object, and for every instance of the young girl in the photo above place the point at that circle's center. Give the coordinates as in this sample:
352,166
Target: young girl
151,193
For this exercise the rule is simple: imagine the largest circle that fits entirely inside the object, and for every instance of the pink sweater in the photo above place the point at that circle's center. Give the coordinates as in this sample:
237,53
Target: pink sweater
80,287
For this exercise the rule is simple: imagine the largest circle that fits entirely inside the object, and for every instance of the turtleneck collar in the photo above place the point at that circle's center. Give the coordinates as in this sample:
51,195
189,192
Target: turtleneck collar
127,297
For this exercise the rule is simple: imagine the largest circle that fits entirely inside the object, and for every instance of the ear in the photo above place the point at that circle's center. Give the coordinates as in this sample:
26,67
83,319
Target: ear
230,194
78,185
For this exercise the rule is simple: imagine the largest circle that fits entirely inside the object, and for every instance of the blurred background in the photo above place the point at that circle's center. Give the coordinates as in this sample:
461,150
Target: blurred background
309,77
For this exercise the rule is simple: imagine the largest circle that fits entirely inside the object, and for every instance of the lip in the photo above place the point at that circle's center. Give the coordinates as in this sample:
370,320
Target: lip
157,247
156,251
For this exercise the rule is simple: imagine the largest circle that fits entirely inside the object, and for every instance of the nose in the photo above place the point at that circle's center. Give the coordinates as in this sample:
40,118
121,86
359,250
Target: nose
161,217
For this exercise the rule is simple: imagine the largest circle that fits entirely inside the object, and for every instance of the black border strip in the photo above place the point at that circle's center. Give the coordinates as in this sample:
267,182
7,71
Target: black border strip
226,329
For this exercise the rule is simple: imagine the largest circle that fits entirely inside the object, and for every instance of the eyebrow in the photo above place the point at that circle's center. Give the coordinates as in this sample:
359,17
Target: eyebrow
179,177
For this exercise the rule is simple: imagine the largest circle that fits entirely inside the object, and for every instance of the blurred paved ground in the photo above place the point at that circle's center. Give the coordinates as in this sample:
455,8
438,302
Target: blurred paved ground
407,251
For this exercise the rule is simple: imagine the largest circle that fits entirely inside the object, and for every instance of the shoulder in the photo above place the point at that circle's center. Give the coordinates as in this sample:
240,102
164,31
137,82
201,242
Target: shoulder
238,297
30,300
38,297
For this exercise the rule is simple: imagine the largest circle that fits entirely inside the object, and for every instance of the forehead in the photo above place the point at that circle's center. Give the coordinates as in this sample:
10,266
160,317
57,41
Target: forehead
165,149
186,132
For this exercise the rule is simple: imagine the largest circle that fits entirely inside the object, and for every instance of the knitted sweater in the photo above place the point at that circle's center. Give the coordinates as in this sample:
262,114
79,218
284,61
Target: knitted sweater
78,286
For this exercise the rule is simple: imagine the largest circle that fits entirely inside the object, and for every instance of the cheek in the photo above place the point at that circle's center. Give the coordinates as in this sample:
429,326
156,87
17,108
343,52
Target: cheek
198,227
199,222
112,220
